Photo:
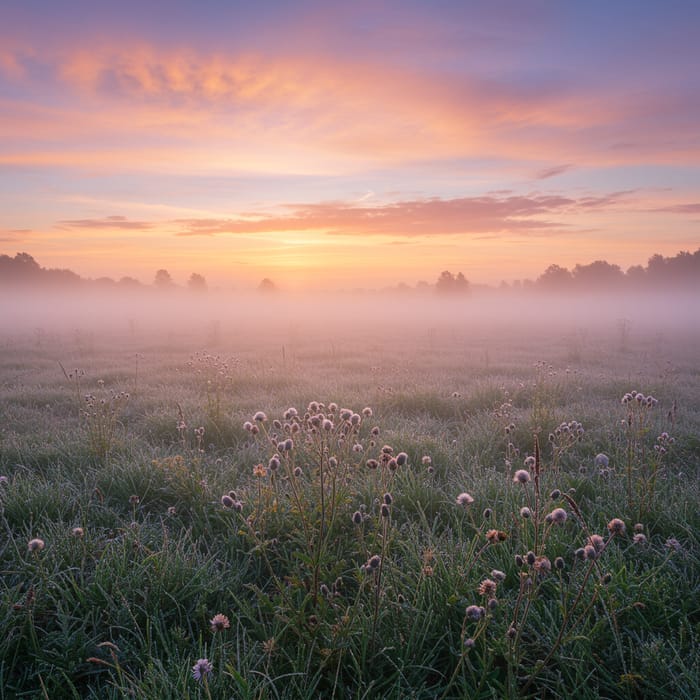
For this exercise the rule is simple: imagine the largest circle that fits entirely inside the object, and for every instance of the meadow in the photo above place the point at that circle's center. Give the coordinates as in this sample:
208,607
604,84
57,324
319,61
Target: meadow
341,506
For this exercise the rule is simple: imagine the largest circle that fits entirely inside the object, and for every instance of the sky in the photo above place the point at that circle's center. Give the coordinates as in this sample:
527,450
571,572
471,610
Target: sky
348,144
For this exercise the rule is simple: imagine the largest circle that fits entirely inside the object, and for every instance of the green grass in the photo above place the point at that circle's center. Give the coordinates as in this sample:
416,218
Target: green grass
124,610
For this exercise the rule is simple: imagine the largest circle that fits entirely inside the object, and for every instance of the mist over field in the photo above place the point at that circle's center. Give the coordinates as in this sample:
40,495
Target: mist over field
243,318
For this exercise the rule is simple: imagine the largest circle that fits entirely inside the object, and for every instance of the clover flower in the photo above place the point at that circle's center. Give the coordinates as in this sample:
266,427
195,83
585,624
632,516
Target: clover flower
202,669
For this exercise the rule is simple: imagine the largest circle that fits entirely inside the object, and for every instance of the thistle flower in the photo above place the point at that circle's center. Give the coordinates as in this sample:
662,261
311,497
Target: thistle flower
596,541
227,501
426,460
543,565
385,511
474,612
327,425
616,527
372,464
134,500
469,643
388,499
260,417
487,587
357,517
219,623
464,499
525,512
202,669
559,516
487,513
259,471
530,462
496,536
36,545
522,476
498,575
401,458
367,412
373,562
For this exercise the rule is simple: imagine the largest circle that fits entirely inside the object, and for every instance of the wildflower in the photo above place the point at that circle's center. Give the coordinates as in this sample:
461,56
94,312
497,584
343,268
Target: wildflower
134,500
559,563
474,612
426,460
469,643
616,527
357,517
530,462
36,545
487,587
498,575
522,476
171,510
596,541
4,480
274,463
519,561
202,669
297,471
388,499
464,499
327,425
357,448
530,558
259,471
492,604
393,464
428,571
487,513
555,495
260,417
373,562
638,527
77,532
219,623
372,464
374,432
367,412
590,552
525,512
512,632
543,565
601,460
401,458
227,501
385,510
673,543
559,516
496,536
639,538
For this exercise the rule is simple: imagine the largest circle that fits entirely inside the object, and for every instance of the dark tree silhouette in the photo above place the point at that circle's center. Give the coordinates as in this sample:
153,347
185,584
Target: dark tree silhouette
267,286
163,280
555,277
447,283
197,283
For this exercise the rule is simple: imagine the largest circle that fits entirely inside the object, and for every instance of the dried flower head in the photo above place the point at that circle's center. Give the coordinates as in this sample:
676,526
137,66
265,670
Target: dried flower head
260,416
401,458
525,512
474,612
522,476
219,623
487,587
596,541
134,500
498,575
464,499
616,527
559,516
36,545
227,501
202,669
496,536
639,538
77,532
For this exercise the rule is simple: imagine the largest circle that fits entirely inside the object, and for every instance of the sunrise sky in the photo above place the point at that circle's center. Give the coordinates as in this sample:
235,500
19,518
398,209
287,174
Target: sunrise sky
347,144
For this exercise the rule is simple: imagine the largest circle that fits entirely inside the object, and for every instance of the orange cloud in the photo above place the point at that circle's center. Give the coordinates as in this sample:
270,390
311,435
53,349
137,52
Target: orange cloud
465,215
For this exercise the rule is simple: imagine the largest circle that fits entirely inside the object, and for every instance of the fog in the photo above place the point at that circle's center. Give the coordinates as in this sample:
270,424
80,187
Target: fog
210,319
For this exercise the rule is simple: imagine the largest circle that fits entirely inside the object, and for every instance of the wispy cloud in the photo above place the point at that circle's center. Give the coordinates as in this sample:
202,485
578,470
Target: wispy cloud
422,217
108,222
555,170
690,208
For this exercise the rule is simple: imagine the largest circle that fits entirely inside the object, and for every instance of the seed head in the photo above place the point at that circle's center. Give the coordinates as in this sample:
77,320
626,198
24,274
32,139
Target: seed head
401,458
559,516
357,517
616,527
260,417
639,538
522,476
487,588
219,623
227,501
36,545
474,612
77,532
464,499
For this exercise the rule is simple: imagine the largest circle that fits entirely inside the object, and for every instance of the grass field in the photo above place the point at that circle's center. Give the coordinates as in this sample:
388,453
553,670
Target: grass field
452,510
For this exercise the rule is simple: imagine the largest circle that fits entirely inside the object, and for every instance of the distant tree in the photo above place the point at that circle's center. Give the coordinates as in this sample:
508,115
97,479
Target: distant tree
636,276
197,283
598,275
163,280
555,277
129,282
267,286
447,283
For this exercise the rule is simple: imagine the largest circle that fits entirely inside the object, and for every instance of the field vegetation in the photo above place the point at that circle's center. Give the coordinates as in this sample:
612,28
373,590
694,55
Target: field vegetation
337,506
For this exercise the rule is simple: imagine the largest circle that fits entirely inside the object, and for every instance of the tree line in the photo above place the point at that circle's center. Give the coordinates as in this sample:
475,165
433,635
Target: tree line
681,270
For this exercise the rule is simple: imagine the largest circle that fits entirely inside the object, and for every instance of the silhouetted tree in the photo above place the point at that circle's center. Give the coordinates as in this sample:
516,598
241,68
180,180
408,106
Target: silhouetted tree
598,275
555,277
447,283
163,280
197,283
267,286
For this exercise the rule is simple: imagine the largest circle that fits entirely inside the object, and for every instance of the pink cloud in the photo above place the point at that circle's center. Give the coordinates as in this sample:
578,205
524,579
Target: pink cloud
424,217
